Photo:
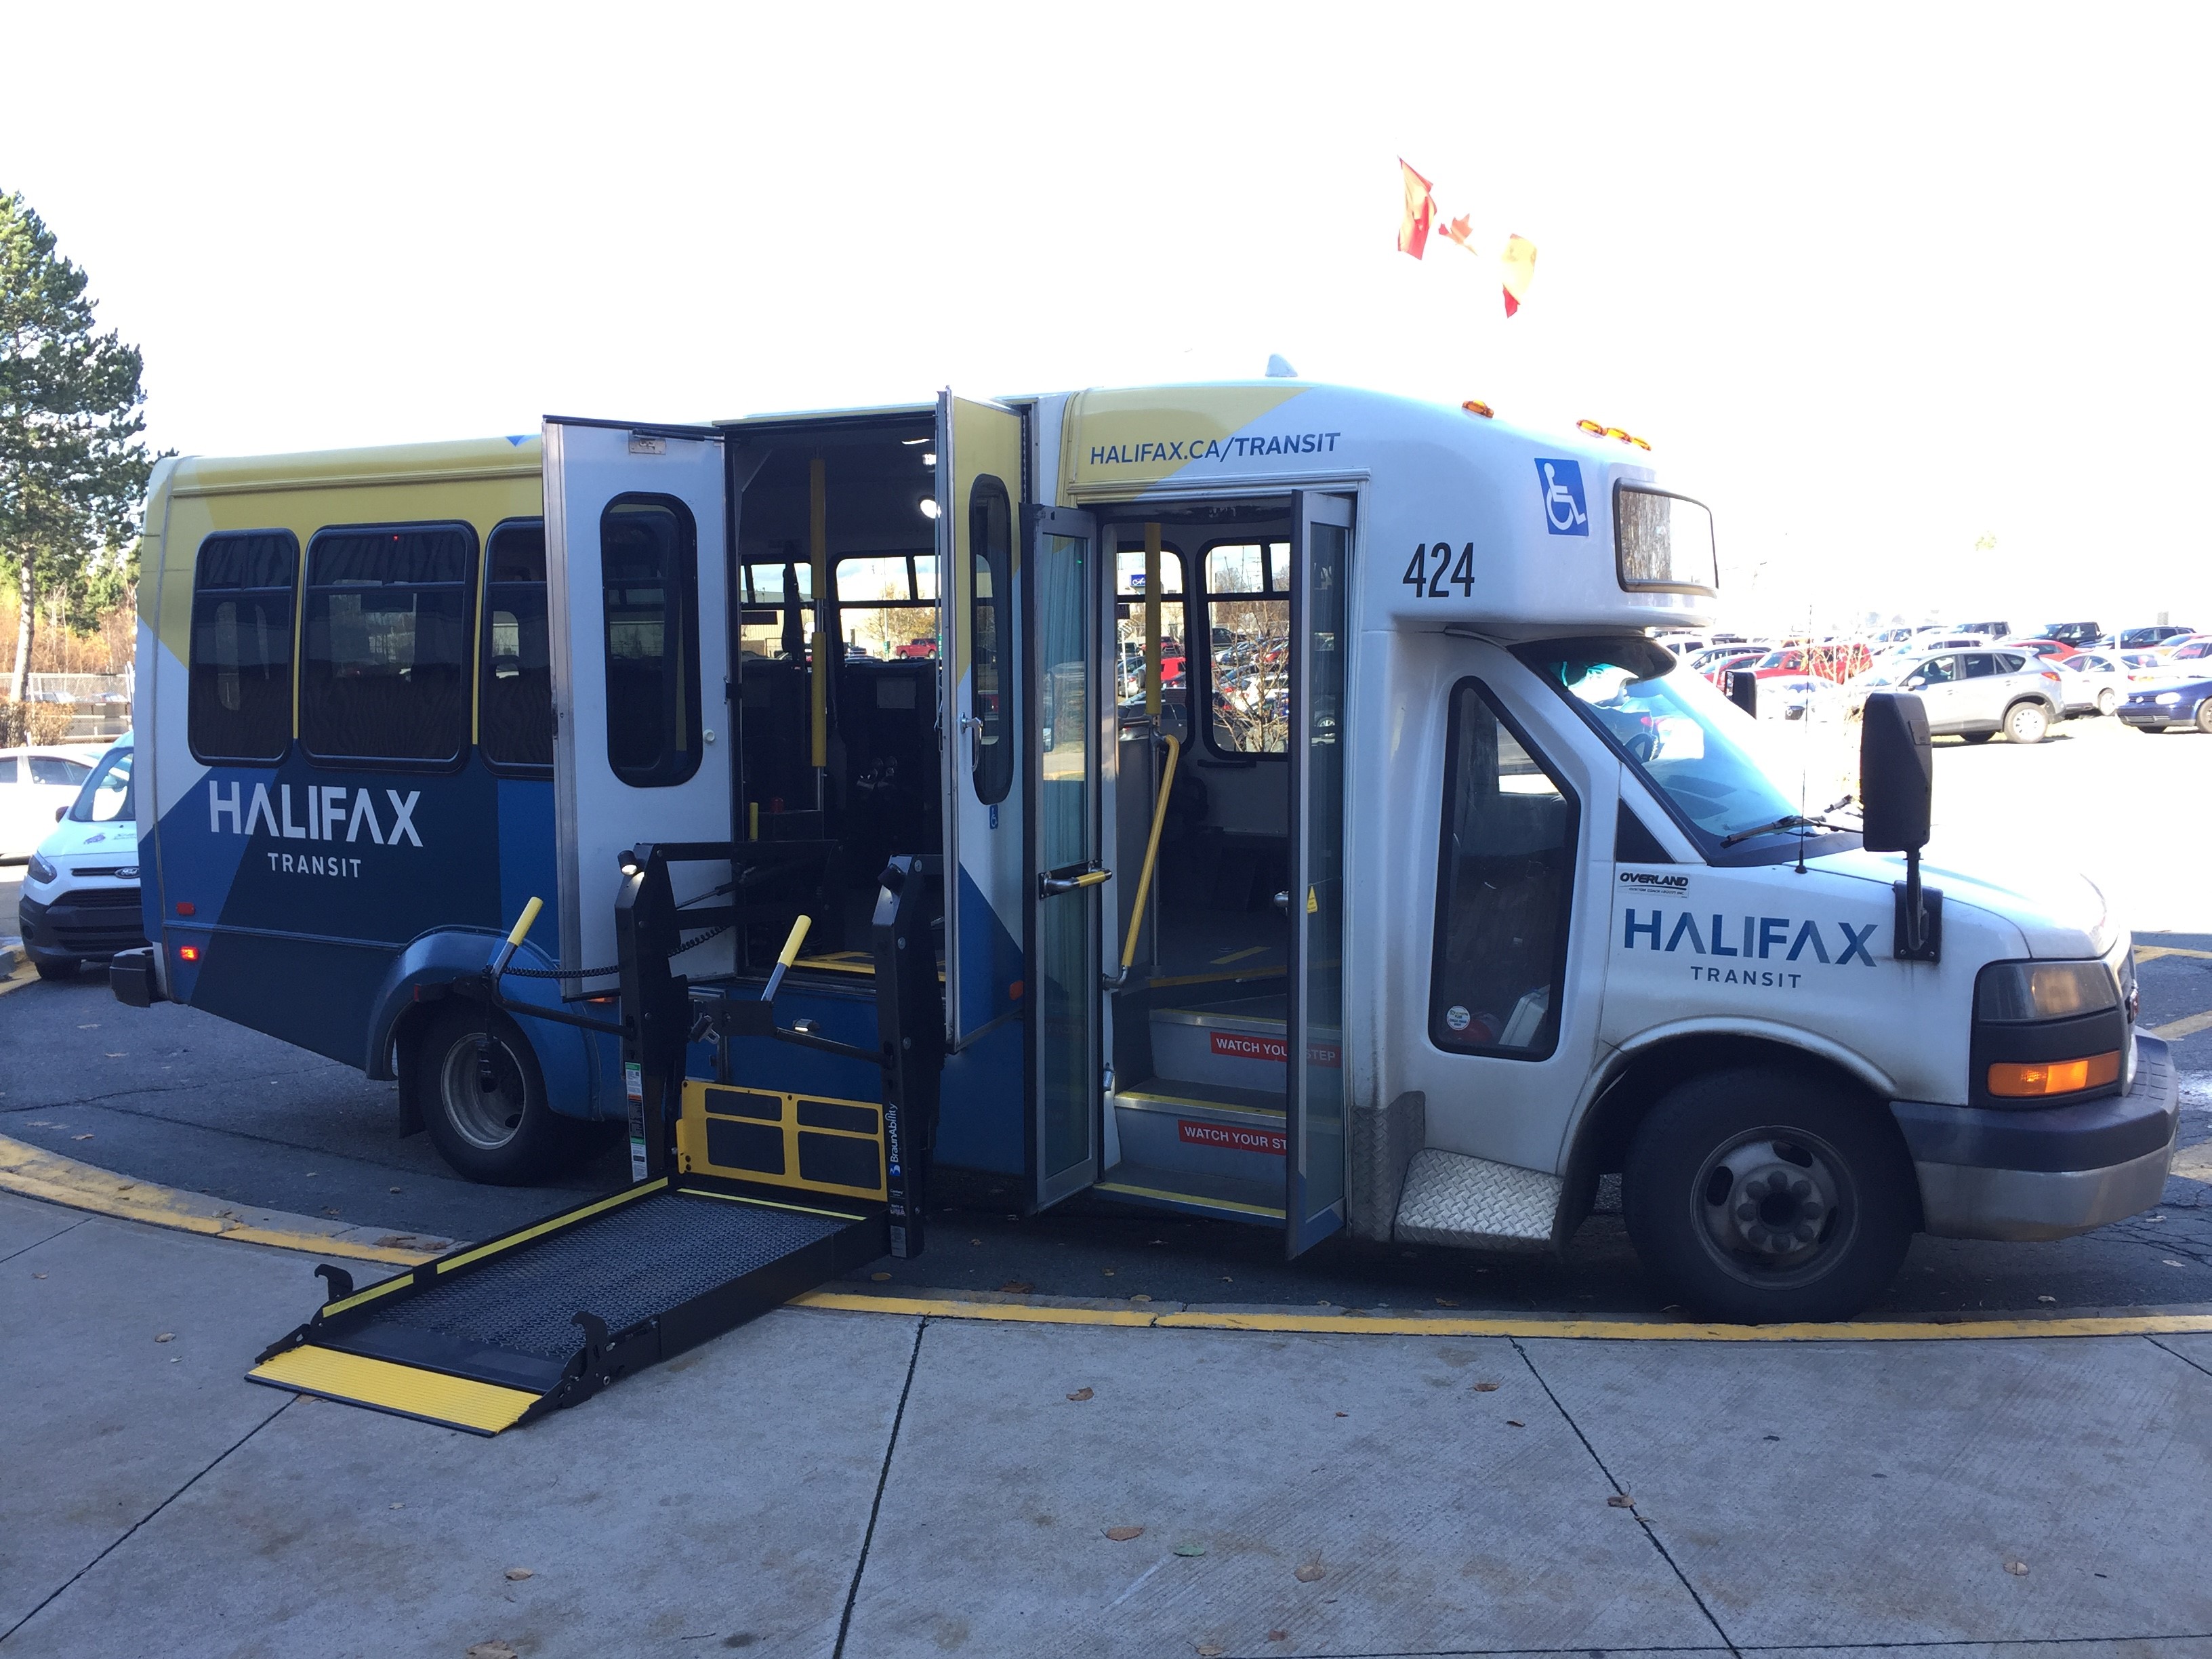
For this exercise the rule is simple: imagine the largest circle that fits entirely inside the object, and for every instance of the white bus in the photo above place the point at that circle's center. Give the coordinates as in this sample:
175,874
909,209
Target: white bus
1319,838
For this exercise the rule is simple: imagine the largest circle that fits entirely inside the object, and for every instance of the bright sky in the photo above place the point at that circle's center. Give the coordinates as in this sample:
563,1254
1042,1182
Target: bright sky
1877,283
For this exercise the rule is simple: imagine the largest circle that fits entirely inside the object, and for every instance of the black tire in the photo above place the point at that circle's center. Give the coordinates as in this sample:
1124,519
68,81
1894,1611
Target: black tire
2108,702
1976,737
57,967
2204,716
2026,723
1820,1245
506,1135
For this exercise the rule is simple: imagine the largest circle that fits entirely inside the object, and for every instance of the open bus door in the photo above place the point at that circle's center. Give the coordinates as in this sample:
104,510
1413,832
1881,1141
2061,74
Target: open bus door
1321,550
979,500
1067,725
637,572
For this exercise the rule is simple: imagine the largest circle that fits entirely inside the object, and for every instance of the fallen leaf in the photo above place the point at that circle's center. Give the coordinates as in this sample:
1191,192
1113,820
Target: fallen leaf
166,1336
1311,1573
87,1137
330,1212
2018,1569
975,1240
1141,1297
1278,1636
1210,1650
1110,1273
1123,1535
1621,1500
1488,1387
399,1506
517,1574
1344,1414
37,1275
395,1189
1016,1287
880,1278
2169,1260
2046,1298
1190,1549
1446,1302
1080,1394
1515,1422
493,1650
112,1056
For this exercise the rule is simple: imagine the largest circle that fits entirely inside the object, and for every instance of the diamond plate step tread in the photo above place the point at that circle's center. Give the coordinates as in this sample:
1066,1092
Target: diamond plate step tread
1452,1198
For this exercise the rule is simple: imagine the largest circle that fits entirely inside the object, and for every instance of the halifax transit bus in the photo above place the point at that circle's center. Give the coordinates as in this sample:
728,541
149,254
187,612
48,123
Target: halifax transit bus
1313,834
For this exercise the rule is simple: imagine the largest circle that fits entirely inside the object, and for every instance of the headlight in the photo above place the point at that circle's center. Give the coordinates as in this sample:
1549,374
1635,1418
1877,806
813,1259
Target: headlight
2168,697
38,870
2009,992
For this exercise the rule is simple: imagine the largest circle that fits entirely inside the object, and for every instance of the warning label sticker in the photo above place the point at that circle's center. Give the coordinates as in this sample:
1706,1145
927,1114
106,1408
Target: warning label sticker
1236,1140
1240,1045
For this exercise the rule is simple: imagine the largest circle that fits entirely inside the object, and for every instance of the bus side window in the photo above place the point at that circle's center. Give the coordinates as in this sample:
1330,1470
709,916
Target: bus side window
990,621
515,718
1248,615
385,665
1505,881
648,575
238,707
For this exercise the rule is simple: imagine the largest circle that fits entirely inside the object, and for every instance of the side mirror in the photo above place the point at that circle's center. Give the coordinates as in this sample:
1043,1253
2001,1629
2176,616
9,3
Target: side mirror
1897,773
60,812
1743,691
1915,682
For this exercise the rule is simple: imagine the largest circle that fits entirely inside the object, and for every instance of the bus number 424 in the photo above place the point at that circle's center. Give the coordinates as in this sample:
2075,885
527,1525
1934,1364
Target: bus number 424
1430,584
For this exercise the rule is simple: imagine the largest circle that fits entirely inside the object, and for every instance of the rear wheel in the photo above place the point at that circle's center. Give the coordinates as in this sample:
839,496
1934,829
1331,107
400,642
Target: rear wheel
2108,701
2204,716
483,1100
2026,722
1763,1194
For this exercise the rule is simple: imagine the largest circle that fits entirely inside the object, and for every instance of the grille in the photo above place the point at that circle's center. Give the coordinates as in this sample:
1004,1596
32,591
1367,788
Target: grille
101,898
630,1264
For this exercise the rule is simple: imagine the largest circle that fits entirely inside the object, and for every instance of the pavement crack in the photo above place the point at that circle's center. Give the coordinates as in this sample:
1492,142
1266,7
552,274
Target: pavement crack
48,1239
1650,1531
882,1479
213,1464
2178,1354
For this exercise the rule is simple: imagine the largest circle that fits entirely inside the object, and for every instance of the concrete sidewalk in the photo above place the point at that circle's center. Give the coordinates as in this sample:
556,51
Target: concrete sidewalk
874,1484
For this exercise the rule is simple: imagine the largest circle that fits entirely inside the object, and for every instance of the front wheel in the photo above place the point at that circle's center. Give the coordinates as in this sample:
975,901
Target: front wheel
483,1100
1765,1194
2026,722
2204,716
1976,737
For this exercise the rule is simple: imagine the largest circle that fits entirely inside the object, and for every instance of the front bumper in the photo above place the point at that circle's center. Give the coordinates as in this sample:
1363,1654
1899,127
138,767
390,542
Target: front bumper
85,921
2045,1172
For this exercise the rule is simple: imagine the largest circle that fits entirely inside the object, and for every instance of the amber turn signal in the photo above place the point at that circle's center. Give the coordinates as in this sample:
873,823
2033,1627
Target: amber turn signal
2019,1080
189,953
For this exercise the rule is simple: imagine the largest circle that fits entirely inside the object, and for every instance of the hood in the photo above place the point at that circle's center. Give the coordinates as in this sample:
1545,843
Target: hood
82,843
2058,914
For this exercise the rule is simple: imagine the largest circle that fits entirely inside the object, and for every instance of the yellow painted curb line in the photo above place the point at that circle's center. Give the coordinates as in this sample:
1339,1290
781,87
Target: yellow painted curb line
2187,1025
24,974
31,1172
1644,1330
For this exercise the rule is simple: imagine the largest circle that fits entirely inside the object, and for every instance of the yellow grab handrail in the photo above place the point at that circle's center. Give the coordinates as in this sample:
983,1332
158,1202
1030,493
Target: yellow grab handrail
1152,849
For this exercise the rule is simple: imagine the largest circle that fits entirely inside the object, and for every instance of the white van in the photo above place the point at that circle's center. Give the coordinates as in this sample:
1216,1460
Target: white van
80,900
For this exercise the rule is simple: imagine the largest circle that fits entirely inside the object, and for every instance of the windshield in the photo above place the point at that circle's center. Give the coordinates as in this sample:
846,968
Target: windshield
1697,750
105,796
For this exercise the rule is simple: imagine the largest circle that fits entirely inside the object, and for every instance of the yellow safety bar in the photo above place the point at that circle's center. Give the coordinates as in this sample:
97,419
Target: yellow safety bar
521,930
785,957
1152,850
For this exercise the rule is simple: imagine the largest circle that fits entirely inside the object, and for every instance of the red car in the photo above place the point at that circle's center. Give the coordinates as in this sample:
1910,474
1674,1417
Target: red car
1828,662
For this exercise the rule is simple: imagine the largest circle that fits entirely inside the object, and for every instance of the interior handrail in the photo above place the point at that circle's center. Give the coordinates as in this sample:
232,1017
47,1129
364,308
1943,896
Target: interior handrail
1152,849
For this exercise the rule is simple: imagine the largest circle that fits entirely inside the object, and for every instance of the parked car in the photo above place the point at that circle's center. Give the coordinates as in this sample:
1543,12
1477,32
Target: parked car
2079,634
80,899
1975,695
1833,663
1988,631
2095,682
2162,703
2150,638
2195,648
35,783
2034,646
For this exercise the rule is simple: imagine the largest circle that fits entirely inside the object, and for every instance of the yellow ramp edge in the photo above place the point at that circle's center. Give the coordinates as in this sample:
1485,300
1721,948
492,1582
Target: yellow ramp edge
453,1402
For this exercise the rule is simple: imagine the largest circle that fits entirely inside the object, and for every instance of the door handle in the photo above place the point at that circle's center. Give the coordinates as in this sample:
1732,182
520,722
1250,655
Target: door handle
1283,902
1051,886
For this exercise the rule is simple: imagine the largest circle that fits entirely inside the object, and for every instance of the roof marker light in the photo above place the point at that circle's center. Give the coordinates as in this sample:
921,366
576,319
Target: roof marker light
928,506
1597,429
1476,406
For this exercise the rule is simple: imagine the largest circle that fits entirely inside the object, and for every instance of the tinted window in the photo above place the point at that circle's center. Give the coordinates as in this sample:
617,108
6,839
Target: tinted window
240,704
1977,664
7,769
990,621
384,671
1505,881
2009,663
1938,670
515,713
648,560
52,768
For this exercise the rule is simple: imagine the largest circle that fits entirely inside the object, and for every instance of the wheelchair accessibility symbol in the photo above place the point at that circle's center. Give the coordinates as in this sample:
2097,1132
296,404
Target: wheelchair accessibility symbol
1565,511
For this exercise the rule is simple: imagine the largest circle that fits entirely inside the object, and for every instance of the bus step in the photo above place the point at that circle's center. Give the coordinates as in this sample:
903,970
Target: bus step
1225,1198
494,1334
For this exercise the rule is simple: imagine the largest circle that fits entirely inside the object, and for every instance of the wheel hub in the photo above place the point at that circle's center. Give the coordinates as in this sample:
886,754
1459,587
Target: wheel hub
483,1091
1768,1202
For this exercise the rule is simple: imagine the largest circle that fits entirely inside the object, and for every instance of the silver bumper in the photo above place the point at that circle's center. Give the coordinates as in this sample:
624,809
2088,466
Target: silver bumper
1969,1161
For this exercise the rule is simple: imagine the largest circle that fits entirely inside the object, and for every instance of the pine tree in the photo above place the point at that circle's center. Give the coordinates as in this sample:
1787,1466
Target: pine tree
72,468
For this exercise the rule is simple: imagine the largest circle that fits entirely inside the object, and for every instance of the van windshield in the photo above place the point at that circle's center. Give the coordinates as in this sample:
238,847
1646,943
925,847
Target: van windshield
1700,753
105,795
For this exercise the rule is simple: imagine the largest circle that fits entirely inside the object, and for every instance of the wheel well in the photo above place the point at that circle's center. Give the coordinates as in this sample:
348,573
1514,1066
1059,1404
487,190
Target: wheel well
406,1032
2037,699
1603,1138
